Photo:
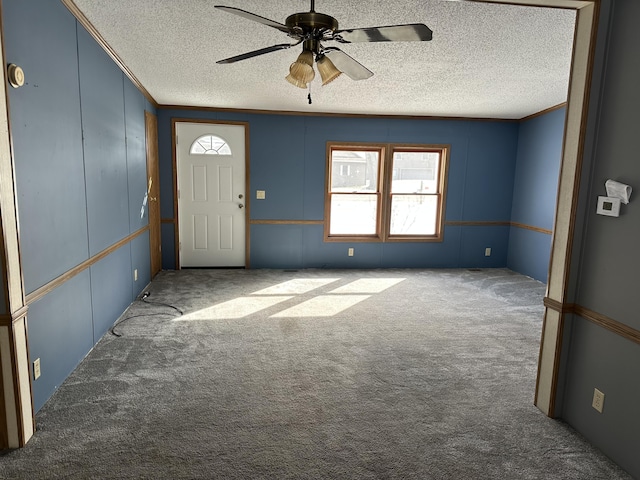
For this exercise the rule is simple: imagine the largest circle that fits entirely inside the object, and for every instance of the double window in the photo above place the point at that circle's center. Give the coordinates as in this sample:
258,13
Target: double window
385,192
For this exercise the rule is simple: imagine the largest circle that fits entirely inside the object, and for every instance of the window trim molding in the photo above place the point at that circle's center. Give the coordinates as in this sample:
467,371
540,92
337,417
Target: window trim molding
356,146
385,169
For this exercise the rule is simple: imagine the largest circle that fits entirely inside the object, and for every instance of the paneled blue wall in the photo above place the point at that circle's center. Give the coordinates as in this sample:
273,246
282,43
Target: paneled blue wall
60,333
105,159
535,189
46,132
288,161
78,132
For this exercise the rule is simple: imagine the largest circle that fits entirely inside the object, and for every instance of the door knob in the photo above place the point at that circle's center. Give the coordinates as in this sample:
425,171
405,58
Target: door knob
240,206
240,196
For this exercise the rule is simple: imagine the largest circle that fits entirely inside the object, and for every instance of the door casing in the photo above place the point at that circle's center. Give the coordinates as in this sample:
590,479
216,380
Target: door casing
153,191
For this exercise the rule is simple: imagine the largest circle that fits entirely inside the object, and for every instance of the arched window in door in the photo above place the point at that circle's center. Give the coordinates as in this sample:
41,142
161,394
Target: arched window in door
209,145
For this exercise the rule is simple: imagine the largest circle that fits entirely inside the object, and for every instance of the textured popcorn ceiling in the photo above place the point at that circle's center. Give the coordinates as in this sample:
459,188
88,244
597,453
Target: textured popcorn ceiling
485,60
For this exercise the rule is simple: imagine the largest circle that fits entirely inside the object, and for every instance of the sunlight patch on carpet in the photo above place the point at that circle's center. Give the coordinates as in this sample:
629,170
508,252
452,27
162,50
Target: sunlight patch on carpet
368,285
236,308
296,286
322,306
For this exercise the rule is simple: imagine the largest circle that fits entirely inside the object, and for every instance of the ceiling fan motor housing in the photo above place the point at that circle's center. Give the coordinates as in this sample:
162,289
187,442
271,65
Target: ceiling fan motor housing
310,21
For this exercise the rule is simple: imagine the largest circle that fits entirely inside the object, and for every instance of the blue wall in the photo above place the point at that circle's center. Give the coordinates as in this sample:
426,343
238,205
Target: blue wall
535,189
78,136
288,160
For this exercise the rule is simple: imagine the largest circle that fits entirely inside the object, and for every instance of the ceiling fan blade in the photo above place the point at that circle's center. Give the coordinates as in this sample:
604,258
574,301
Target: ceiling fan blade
255,53
254,17
347,65
415,32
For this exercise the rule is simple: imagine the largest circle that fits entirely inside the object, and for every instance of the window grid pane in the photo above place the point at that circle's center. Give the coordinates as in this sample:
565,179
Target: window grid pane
354,214
354,171
413,214
415,172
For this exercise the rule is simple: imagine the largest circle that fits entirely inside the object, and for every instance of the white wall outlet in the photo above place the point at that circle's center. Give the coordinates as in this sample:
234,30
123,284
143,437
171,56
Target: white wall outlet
36,369
261,194
598,400
487,252
350,252
135,275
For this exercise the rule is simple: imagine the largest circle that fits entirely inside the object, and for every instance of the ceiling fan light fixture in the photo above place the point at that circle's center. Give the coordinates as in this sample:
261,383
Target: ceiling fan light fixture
293,81
302,68
327,69
302,72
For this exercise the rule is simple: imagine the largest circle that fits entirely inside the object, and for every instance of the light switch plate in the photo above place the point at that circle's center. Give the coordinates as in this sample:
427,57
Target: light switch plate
260,194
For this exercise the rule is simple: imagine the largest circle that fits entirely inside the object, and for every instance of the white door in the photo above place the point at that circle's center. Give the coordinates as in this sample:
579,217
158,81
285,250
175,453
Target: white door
210,161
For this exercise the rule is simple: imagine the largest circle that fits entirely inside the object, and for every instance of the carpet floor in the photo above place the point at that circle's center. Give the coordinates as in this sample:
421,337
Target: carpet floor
313,374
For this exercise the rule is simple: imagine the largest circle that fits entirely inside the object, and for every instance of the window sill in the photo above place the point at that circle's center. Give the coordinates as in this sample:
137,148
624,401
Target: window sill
378,239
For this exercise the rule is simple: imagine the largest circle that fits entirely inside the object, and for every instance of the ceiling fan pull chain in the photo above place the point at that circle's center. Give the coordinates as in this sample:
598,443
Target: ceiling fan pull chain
309,96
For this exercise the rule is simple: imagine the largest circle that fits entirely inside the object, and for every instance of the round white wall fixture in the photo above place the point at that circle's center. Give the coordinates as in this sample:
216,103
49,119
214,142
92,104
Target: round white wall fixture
15,75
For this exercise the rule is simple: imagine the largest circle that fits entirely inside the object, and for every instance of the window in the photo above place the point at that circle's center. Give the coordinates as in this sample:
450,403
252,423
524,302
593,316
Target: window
209,145
385,192
355,192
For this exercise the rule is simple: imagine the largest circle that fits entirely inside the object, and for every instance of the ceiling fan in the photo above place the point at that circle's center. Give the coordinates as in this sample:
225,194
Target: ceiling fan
311,29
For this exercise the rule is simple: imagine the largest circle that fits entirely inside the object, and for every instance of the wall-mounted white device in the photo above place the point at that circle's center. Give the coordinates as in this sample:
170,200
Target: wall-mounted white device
617,193
618,190
15,75
608,206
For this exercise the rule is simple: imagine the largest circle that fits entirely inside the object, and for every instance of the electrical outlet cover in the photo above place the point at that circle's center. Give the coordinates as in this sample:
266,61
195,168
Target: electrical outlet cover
36,369
598,400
